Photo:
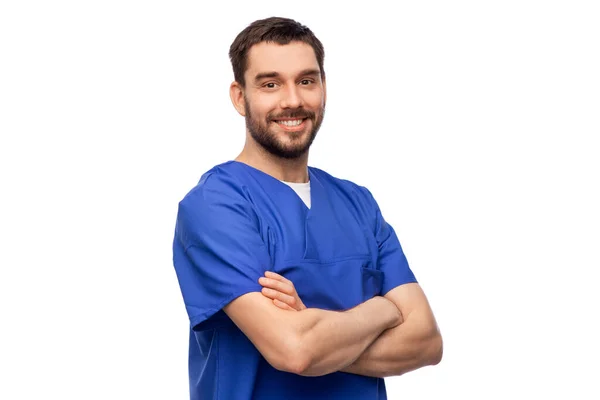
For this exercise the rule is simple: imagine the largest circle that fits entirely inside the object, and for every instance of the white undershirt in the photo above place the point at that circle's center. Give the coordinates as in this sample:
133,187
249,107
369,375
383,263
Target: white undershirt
302,190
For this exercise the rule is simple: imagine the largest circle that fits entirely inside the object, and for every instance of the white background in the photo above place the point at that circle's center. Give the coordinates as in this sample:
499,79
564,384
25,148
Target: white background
474,123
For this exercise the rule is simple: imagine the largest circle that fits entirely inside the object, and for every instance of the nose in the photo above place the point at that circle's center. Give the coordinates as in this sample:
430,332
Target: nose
291,97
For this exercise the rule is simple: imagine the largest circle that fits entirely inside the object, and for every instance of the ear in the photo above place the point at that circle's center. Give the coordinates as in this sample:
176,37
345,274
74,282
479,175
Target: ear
324,90
236,93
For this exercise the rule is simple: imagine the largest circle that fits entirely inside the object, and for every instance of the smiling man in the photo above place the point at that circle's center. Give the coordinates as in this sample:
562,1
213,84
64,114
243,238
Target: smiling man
298,115
295,285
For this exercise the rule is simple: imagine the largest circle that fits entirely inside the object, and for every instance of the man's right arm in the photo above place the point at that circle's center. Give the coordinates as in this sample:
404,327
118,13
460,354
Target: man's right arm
311,342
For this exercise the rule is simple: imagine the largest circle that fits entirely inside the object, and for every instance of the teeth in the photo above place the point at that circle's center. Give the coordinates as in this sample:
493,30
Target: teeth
294,122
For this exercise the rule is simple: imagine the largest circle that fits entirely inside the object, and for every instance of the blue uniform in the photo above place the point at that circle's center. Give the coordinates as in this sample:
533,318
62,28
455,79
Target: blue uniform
239,222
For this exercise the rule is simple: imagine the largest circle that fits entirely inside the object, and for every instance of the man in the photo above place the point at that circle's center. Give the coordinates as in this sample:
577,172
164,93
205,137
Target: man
295,285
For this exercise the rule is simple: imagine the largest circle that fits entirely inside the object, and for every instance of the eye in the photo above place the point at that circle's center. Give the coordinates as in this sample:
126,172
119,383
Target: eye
270,85
306,81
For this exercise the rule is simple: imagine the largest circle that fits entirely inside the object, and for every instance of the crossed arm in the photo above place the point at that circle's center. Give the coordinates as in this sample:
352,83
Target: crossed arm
383,336
411,345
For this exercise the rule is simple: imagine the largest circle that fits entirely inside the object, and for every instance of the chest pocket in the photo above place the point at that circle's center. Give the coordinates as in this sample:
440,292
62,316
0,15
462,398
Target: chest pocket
338,269
335,285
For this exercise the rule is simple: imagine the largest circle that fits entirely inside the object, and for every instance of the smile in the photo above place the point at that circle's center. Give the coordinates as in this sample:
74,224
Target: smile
290,122
292,125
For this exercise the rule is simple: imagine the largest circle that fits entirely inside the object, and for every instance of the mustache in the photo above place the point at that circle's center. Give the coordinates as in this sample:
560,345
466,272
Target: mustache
297,113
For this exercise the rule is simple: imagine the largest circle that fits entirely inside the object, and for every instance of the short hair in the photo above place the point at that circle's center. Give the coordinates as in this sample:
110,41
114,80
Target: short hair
274,29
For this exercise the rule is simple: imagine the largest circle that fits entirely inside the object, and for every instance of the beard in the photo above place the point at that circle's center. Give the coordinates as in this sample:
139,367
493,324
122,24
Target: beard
268,139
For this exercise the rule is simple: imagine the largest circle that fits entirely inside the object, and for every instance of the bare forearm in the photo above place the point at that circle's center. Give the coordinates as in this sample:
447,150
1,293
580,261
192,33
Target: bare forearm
414,344
324,343
335,340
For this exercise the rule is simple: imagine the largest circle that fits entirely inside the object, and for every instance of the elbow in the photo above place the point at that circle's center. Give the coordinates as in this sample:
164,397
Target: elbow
295,363
291,364
299,365
300,359
436,349
292,357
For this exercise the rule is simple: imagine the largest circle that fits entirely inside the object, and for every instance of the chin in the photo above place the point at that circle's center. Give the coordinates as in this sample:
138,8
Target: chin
290,151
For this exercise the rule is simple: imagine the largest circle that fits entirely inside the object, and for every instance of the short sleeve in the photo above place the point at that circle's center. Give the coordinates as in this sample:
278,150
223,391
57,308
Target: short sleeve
391,259
218,252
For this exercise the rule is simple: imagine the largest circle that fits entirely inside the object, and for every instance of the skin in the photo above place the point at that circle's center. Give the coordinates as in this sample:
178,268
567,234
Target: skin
283,82
410,345
311,342
386,335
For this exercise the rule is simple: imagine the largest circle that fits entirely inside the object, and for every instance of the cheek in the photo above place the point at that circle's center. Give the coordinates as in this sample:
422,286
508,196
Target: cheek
260,106
315,100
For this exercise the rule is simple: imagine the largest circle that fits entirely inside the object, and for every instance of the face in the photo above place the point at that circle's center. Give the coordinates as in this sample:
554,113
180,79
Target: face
284,98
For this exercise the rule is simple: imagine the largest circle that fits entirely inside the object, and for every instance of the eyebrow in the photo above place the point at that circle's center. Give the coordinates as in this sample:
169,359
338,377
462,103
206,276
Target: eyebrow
306,72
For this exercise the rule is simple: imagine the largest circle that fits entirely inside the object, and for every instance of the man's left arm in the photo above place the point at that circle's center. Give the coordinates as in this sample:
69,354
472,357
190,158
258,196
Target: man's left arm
415,343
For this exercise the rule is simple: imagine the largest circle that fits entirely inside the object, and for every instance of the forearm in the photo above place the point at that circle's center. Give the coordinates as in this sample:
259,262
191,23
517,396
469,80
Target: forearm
333,340
413,344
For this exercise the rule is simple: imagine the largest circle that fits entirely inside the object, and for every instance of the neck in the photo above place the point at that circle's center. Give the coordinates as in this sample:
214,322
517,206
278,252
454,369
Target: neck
289,170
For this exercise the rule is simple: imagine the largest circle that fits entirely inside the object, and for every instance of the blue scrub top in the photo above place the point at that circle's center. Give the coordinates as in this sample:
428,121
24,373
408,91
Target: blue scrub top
239,222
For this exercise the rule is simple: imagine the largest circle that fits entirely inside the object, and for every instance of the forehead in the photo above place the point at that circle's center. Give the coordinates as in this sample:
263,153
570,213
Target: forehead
285,59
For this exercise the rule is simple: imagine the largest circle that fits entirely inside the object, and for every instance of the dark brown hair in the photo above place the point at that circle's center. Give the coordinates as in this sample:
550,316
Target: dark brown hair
274,29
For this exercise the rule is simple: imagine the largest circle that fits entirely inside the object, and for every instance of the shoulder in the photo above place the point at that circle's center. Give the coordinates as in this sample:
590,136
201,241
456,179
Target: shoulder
219,197
217,185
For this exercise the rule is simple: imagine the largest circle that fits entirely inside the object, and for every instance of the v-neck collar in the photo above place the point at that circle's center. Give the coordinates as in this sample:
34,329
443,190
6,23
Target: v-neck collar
313,217
314,185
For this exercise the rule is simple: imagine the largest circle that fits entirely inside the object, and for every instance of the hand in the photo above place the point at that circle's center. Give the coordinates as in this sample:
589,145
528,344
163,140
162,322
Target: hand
391,309
281,291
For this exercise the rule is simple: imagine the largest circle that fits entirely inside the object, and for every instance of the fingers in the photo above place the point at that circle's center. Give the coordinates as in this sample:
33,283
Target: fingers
299,304
282,305
276,287
282,297
276,276
281,286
